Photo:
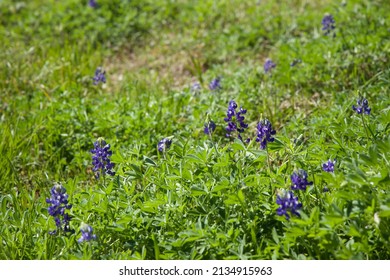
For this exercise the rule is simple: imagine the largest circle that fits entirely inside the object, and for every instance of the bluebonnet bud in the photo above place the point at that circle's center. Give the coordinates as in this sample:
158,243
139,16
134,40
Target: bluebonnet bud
101,158
328,166
288,203
299,180
196,87
164,144
59,203
235,120
215,84
264,133
328,24
86,233
269,65
93,3
100,76
362,106
209,127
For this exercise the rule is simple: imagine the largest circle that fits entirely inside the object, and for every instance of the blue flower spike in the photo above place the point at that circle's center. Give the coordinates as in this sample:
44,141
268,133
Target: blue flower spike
101,158
86,233
288,204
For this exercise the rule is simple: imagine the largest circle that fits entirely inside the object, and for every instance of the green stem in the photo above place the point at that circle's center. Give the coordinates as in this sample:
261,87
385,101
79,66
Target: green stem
268,161
366,128
345,41
212,142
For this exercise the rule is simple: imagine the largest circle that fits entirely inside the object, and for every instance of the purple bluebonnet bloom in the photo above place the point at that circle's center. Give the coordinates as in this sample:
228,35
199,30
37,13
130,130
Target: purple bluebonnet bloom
264,133
299,180
101,158
86,233
288,203
235,120
215,84
328,24
362,106
93,3
59,203
269,65
209,127
100,76
328,166
164,144
196,87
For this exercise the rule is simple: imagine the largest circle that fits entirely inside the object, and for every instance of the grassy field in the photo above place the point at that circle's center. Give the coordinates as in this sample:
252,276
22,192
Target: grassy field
313,92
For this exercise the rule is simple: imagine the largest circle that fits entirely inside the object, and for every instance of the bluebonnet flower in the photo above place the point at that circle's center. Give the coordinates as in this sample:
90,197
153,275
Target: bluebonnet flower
269,65
100,76
196,87
235,120
288,203
209,127
362,106
86,233
215,84
264,133
93,3
328,24
101,158
295,62
59,203
164,144
328,166
299,180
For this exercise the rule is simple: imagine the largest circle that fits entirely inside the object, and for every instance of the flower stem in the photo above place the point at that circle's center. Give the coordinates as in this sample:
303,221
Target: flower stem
268,161
366,128
212,142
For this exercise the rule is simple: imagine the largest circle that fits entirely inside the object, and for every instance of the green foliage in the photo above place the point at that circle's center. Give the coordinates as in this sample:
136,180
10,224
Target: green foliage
206,197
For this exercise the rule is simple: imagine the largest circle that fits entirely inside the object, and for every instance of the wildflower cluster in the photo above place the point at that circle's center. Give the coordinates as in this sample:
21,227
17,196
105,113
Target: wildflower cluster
59,203
100,76
235,120
196,87
269,65
328,166
288,203
264,133
101,158
215,84
299,180
164,144
86,233
93,3
362,106
328,24
209,127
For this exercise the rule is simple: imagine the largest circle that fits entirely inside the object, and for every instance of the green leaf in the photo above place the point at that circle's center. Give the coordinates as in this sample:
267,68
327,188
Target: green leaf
385,211
194,158
149,161
237,145
197,191
275,236
241,196
225,184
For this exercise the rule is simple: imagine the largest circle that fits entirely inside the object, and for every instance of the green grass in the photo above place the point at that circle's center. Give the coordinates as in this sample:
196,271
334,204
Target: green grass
205,197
